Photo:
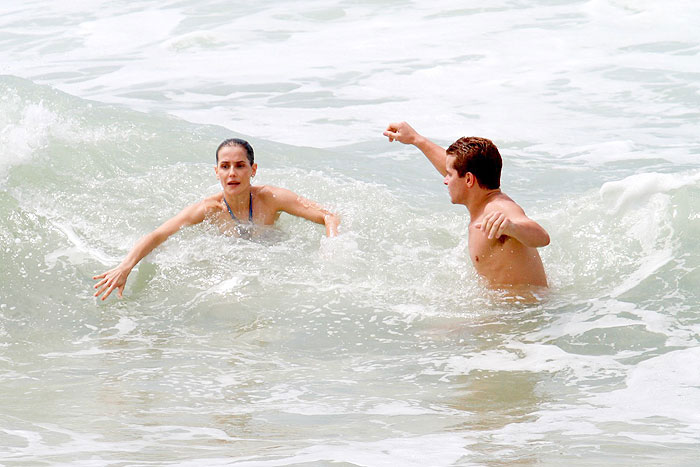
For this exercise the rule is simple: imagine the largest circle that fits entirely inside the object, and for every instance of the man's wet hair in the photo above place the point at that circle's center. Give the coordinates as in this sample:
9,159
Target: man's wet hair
480,157
237,142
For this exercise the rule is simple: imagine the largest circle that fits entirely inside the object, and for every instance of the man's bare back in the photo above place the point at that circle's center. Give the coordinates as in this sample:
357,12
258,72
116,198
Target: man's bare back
503,241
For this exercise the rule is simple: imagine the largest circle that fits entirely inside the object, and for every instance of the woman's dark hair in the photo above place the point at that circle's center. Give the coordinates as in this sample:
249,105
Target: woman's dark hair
237,142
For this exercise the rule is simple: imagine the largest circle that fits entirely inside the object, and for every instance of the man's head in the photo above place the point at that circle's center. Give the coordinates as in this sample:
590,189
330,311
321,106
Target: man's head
480,157
231,142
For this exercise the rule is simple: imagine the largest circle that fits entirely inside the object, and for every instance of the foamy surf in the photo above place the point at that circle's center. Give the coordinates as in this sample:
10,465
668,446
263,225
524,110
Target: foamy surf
379,347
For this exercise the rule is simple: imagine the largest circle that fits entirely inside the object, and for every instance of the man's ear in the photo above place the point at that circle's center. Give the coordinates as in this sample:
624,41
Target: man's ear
469,179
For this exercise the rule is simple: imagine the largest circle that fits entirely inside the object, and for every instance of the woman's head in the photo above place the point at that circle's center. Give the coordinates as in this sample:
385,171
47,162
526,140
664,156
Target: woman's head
235,166
232,142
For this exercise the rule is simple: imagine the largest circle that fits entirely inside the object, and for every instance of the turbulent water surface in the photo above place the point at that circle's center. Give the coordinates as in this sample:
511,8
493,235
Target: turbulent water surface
379,347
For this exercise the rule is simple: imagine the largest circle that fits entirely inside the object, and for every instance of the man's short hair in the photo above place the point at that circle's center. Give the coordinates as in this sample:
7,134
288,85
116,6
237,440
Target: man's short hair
237,142
480,157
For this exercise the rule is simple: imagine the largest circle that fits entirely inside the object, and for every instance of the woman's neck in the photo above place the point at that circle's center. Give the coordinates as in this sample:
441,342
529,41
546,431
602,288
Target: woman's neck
240,203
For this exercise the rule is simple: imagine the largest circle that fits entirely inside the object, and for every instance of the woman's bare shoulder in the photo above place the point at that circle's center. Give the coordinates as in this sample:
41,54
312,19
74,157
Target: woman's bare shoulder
213,202
268,191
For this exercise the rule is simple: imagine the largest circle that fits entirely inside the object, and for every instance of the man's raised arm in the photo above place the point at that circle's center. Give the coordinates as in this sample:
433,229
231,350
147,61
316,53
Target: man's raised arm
404,133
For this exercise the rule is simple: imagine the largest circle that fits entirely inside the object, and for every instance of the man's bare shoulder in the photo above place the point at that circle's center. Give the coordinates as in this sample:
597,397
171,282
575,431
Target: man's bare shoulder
502,202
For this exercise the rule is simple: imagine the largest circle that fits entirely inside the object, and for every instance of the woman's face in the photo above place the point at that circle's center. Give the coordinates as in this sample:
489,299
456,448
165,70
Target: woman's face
234,170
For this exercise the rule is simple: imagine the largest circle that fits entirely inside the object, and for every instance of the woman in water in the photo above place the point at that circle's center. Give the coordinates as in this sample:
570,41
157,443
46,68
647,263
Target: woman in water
238,204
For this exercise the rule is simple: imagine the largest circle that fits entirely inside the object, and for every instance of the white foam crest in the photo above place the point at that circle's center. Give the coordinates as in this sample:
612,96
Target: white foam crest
81,353
339,250
515,434
124,326
39,446
611,314
27,128
663,386
643,202
637,189
409,451
411,312
21,139
79,253
167,433
599,316
620,236
536,358
650,265
225,287
289,398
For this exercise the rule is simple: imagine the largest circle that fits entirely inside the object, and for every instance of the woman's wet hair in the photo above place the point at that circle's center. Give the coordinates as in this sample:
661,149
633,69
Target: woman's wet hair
237,142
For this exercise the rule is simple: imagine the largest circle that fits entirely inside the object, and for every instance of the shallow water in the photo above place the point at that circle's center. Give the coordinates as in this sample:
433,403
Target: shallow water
379,347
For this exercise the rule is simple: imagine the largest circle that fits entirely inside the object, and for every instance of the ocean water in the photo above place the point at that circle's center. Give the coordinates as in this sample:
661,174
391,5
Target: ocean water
379,347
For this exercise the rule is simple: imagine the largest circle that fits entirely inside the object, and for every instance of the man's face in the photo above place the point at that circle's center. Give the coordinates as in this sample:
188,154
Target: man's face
456,185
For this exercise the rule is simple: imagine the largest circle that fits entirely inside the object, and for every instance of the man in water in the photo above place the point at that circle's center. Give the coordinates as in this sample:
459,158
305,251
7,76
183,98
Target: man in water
239,204
503,241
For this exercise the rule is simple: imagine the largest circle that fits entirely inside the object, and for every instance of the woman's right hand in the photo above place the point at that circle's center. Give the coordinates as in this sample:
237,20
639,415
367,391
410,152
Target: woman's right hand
113,279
